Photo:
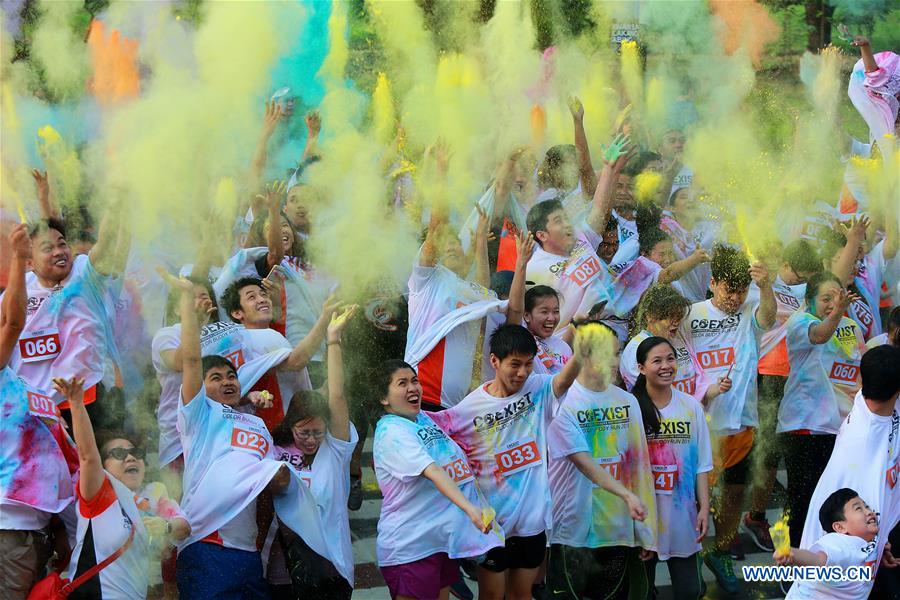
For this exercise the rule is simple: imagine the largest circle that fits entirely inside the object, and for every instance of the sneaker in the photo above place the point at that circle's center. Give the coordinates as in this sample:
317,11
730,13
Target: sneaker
736,548
721,566
461,590
469,568
354,500
759,533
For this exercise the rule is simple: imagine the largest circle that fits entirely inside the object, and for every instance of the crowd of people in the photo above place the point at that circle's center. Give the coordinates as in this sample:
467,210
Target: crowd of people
573,387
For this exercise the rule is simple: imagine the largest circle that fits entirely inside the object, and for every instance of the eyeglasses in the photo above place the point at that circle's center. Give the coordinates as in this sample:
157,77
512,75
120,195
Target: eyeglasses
122,453
304,434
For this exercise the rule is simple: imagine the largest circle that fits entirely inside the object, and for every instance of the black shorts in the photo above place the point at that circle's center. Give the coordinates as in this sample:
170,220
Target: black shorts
518,553
739,473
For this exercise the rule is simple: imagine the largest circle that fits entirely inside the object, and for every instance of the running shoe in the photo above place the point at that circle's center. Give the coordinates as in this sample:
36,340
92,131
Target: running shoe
354,500
461,590
721,566
759,533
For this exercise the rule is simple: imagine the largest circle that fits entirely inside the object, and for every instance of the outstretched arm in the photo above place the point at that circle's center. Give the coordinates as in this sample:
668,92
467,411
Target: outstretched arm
306,349
516,310
822,331
680,267
448,488
45,201
438,219
601,478
15,299
270,121
191,362
765,314
585,169
90,475
563,380
865,51
615,157
337,402
855,235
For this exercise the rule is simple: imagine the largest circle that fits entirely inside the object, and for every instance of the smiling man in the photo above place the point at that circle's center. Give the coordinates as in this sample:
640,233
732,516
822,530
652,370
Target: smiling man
248,303
68,327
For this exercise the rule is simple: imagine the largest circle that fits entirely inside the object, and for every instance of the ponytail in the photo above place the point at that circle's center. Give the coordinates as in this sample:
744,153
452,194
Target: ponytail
649,413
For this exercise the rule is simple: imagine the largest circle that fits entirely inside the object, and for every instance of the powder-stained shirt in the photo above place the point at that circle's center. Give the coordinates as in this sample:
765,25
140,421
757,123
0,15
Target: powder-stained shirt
416,519
824,377
608,426
505,442
678,454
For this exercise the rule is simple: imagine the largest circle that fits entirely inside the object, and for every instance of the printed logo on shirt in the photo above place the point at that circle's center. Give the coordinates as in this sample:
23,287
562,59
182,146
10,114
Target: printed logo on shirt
714,326
608,417
500,419
430,434
559,268
215,332
674,431
33,304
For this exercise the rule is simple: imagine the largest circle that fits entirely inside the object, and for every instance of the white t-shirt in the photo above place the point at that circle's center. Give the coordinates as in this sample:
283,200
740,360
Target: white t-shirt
871,275
842,551
680,453
630,283
608,426
552,355
167,338
68,330
824,378
505,441
689,378
582,279
35,479
104,524
434,292
720,340
629,248
416,519
218,437
328,477
694,284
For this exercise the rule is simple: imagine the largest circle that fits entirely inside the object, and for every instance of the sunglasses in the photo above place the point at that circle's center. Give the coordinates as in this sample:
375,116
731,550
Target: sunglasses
122,453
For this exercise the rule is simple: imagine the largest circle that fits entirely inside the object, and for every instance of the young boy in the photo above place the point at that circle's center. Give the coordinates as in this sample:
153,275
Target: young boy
851,528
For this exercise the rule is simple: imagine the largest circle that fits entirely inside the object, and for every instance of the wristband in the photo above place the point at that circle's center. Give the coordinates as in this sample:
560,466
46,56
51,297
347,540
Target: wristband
337,343
168,527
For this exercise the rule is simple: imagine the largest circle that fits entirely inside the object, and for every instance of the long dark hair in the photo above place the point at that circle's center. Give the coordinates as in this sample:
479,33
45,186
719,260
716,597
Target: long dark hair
649,412
305,405
384,373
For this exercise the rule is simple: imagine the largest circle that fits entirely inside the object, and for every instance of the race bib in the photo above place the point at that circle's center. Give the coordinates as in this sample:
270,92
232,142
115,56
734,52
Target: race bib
39,345
688,386
518,456
612,465
843,373
664,478
585,270
249,441
307,480
891,475
459,471
716,359
42,406
235,357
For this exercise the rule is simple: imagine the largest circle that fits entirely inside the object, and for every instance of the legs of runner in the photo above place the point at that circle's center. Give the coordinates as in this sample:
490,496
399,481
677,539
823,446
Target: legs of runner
805,457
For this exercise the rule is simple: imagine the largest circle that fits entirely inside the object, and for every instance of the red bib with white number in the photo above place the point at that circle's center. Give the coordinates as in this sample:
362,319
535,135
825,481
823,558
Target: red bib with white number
518,456
612,465
39,345
42,406
716,359
664,478
235,357
585,270
459,471
246,440
688,386
843,373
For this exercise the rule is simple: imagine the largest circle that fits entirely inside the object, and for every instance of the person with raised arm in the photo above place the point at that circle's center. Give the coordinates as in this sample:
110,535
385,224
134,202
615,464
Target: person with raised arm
37,457
502,427
117,512
229,462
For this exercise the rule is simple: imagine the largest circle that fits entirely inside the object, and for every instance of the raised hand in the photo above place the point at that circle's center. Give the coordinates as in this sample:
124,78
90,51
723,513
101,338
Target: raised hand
339,322
575,107
845,299
313,123
759,273
271,117
524,248
20,242
179,283
72,389
42,182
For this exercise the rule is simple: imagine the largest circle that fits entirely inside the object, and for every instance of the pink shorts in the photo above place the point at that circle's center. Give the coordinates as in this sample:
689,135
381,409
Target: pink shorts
422,579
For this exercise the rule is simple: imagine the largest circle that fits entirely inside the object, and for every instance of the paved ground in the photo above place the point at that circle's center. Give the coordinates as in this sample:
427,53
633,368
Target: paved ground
370,585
